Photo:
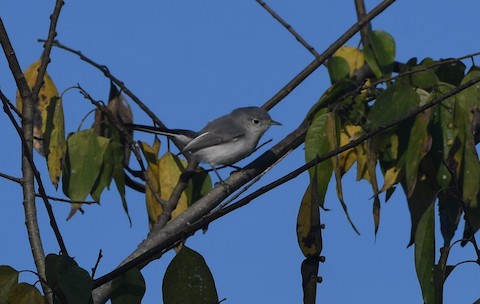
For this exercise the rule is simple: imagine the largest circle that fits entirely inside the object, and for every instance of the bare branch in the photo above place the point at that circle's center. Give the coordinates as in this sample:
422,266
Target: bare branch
189,228
99,258
35,173
128,139
45,58
122,86
158,239
289,28
28,169
317,62
11,178
361,12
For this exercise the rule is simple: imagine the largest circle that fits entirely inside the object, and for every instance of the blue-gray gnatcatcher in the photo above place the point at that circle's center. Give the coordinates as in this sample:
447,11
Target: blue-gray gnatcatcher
224,141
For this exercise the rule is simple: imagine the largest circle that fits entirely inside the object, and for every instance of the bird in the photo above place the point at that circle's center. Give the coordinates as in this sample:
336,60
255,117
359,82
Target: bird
223,141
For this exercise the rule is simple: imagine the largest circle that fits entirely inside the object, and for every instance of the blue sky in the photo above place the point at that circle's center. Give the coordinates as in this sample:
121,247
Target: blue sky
192,61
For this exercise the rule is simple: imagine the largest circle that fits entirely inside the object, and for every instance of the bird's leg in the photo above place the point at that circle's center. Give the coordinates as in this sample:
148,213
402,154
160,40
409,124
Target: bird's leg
221,181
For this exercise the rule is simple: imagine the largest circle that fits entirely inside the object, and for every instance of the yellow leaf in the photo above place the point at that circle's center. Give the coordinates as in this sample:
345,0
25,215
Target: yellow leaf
54,139
347,158
47,92
333,140
361,153
154,209
163,174
48,122
390,178
170,169
308,223
353,56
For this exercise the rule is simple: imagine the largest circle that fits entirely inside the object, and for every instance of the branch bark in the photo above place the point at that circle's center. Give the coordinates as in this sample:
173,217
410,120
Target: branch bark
28,186
202,207
28,170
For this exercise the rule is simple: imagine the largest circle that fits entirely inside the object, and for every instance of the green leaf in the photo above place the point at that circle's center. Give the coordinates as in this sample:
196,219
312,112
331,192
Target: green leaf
425,255
468,102
380,54
444,133
198,186
308,223
51,273
424,79
85,158
451,73
338,68
76,285
70,283
450,210
188,280
8,279
394,103
24,293
334,94
422,197
106,172
128,288
316,145
419,145
118,174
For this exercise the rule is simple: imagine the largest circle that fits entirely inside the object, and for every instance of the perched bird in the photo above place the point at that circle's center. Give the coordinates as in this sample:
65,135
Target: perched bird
224,141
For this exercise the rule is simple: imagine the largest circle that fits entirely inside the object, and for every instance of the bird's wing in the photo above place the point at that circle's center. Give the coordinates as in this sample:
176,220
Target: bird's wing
215,133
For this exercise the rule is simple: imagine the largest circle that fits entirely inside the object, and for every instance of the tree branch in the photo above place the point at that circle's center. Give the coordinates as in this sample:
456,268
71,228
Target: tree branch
158,239
28,168
317,62
128,139
289,28
361,12
171,235
122,86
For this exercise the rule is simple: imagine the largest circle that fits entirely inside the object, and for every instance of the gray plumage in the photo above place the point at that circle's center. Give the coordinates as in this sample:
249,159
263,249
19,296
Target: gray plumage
224,141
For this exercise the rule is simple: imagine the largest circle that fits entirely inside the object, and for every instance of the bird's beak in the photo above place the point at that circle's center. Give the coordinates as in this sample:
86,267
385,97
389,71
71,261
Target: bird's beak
275,123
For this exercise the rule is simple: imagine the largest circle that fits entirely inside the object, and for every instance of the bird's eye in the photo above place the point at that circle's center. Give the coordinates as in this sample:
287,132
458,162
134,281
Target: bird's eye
256,121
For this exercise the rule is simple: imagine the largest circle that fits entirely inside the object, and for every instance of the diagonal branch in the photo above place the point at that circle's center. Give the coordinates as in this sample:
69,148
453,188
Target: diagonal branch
47,48
361,12
36,175
157,239
120,84
26,134
317,62
288,27
192,227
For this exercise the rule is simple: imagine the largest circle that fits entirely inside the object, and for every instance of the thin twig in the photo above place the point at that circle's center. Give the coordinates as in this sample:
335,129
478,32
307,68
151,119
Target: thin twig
289,28
63,200
422,69
47,48
123,87
36,174
99,258
169,241
157,240
128,138
26,134
361,12
318,61
11,178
